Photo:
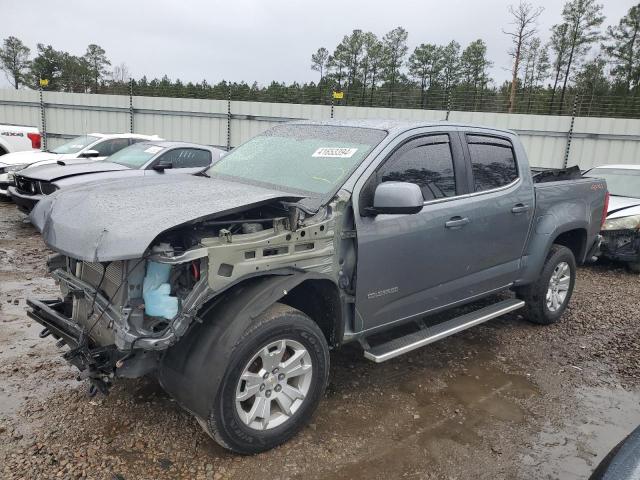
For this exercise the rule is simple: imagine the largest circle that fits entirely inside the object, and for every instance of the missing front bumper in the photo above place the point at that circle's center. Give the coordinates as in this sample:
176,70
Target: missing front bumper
94,362
622,245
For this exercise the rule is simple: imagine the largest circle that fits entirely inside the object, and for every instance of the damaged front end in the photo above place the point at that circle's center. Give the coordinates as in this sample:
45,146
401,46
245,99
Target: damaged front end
621,245
118,317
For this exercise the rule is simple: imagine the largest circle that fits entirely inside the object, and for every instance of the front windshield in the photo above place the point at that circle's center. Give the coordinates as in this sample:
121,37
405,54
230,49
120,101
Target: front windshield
307,158
75,145
135,156
620,181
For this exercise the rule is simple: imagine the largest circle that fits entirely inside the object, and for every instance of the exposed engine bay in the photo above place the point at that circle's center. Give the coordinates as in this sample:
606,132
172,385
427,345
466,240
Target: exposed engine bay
125,312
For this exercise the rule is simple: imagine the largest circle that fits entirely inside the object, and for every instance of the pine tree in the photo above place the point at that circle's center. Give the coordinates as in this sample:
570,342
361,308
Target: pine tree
395,49
98,62
425,65
623,48
319,62
14,61
583,19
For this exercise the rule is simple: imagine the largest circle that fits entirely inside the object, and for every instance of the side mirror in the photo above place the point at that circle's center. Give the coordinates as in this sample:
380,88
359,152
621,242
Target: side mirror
90,154
396,198
162,166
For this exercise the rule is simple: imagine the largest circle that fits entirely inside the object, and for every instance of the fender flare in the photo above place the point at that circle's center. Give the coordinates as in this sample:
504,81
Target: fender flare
184,370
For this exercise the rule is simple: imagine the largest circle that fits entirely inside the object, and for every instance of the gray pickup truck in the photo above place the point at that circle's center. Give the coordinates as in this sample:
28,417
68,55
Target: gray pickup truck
232,287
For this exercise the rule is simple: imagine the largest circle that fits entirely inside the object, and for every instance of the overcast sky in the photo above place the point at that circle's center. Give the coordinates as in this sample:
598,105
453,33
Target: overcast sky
260,40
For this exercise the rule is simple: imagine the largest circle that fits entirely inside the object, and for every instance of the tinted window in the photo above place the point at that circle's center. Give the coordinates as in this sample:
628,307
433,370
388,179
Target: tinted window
109,147
429,166
492,161
187,158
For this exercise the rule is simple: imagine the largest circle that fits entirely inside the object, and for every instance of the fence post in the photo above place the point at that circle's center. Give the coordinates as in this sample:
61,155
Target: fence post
229,119
43,121
448,105
570,132
131,105
332,102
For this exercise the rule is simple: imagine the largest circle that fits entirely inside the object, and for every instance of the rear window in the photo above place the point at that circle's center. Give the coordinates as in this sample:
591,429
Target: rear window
492,161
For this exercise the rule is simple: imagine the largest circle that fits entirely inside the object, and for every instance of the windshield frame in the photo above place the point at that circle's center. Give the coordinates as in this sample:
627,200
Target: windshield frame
74,139
316,198
593,173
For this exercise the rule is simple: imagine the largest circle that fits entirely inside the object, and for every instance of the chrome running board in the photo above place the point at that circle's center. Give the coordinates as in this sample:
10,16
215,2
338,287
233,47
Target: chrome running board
398,346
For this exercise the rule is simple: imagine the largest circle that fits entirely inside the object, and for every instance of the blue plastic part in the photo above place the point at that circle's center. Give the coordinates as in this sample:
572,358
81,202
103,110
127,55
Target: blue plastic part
156,291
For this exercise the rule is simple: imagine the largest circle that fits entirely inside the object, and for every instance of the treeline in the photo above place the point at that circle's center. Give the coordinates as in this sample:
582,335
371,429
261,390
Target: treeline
578,64
578,56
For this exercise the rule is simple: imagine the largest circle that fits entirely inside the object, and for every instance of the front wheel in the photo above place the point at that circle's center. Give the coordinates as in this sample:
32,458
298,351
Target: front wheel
547,298
273,382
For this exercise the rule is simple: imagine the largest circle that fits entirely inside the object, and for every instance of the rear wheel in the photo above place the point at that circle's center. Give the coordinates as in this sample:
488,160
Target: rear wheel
547,298
276,375
634,267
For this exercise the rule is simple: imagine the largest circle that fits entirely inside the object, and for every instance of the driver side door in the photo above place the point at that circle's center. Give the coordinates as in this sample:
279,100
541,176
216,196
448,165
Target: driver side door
414,263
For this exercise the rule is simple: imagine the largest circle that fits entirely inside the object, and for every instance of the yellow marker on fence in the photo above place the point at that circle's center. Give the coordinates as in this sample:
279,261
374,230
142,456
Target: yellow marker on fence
44,82
338,95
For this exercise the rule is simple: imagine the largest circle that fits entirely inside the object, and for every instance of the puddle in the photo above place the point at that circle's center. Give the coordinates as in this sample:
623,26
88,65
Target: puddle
601,418
435,413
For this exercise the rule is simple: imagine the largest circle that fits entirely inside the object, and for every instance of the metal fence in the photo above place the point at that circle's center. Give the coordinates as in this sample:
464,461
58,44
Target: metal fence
552,141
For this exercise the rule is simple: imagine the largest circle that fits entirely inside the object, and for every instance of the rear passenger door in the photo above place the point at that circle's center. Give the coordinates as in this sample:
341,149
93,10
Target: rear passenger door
500,208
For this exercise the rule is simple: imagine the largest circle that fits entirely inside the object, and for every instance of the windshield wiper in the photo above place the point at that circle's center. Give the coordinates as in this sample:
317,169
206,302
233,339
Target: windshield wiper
203,173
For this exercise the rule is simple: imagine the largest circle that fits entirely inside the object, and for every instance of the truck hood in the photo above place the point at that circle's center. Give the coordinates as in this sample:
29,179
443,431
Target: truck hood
120,220
31,156
51,172
623,206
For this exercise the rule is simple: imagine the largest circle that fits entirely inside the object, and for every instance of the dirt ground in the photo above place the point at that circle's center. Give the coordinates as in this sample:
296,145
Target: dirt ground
504,400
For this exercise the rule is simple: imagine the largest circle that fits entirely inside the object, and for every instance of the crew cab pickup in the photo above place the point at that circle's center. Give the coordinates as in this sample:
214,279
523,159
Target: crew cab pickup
15,138
232,287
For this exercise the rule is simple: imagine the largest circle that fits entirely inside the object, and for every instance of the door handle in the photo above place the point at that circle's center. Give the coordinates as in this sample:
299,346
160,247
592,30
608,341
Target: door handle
520,208
456,222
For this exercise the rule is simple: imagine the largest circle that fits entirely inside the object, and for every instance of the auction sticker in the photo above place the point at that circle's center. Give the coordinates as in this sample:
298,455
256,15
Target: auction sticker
334,152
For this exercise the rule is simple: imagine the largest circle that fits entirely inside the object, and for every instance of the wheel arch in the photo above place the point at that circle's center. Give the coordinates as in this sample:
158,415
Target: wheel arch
225,317
575,240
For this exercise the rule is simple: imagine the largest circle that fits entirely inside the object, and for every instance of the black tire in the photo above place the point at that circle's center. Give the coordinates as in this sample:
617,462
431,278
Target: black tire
634,267
277,323
535,294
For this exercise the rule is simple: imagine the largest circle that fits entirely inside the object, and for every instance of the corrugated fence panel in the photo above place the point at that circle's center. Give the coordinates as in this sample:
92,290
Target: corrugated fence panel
251,118
70,114
389,113
599,141
22,107
595,141
182,119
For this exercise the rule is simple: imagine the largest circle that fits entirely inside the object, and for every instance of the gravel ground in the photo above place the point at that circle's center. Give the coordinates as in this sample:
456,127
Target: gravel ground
504,400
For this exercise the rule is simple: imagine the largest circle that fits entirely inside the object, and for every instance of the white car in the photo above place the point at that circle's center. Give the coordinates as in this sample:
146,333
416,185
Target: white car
85,148
621,229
